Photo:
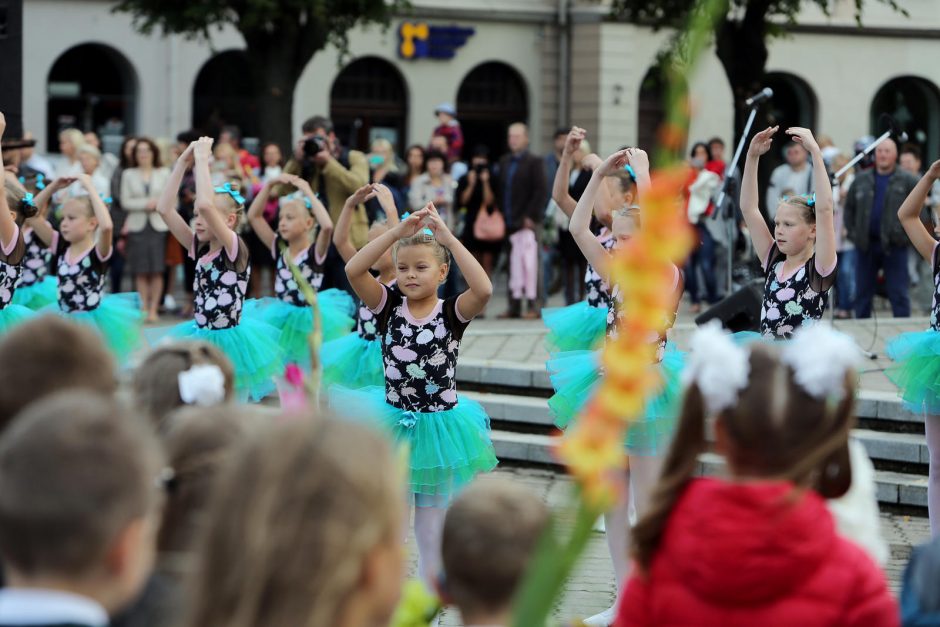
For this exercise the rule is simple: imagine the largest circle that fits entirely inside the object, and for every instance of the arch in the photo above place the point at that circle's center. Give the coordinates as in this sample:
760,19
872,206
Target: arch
93,87
794,101
491,96
651,110
368,100
914,103
222,95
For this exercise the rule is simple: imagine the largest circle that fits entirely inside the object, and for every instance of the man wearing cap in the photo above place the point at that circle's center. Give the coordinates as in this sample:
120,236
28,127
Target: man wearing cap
449,128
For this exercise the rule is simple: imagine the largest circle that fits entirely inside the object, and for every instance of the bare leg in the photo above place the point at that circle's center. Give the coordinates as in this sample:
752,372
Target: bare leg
932,429
156,289
143,290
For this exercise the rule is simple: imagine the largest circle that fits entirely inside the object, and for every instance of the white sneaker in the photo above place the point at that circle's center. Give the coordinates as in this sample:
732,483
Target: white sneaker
604,619
169,303
600,525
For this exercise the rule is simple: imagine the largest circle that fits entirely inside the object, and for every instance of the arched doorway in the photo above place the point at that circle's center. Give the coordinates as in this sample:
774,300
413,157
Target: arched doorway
651,113
793,104
490,98
369,100
222,95
914,103
92,87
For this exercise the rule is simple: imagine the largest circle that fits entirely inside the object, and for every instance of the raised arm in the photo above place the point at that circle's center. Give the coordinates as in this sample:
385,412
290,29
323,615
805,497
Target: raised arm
580,226
479,288
761,236
825,220
909,213
256,211
205,191
40,225
366,286
384,195
7,222
640,162
344,245
102,215
563,174
169,198
604,203
320,214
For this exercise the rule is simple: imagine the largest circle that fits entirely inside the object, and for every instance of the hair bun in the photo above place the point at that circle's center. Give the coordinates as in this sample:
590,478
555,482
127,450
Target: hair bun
28,209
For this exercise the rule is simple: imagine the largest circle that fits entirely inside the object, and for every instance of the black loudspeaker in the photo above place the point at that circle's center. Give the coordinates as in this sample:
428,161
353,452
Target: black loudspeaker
740,311
11,66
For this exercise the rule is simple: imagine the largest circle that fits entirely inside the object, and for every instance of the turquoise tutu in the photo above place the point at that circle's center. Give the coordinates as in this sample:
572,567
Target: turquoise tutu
447,448
37,295
251,346
118,319
353,362
12,315
575,327
295,323
575,375
916,370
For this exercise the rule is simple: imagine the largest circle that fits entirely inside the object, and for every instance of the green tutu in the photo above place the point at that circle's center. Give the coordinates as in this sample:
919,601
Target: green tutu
252,348
118,319
916,370
447,448
353,362
37,295
575,375
575,327
295,323
12,315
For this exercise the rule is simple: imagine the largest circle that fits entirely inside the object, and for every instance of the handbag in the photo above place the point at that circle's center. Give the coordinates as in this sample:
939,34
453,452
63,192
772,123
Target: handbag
489,226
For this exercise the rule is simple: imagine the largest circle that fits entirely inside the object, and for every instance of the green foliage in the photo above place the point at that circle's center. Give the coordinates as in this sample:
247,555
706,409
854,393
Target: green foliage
670,13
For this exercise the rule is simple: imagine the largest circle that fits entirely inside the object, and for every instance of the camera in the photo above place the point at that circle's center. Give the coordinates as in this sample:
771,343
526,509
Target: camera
479,167
314,145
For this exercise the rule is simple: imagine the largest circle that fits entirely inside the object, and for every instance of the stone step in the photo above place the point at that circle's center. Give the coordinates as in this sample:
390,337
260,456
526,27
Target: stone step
526,413
532,380
893,488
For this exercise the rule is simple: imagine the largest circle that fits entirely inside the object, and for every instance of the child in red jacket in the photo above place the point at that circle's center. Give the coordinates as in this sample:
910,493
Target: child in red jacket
758,548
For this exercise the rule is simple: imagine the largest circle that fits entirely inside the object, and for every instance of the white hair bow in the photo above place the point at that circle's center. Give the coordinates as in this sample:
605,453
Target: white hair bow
203,384
820,356
719,367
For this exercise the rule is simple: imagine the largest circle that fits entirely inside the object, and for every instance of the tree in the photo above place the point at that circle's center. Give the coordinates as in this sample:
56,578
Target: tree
740,38
281,36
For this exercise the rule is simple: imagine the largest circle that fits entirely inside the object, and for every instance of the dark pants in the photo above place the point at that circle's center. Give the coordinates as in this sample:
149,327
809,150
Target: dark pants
703,258
897,279
334,272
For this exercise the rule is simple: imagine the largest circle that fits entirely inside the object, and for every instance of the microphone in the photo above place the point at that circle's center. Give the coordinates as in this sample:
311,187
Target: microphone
893,128
765,94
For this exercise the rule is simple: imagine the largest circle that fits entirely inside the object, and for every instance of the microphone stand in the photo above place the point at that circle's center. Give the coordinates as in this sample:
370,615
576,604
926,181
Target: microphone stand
835,176
723,192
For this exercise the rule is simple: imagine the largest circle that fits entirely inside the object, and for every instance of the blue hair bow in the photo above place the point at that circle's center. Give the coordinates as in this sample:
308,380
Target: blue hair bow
425,231
629,169
28,201
227,189
811,201
40,182
106,199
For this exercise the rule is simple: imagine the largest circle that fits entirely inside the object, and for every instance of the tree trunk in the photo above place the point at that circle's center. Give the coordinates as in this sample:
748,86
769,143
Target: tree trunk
273,75
741,47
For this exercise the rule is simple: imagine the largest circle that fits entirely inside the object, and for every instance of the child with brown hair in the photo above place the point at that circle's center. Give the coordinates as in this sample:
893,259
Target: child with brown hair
799,257
447,435
37,287
50,354
490,533
301,532
355,360
222,271
182,373
760,547
79,507
290,312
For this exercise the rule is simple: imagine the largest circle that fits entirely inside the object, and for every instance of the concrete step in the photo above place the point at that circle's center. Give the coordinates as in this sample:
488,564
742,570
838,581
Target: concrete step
893,488
528,412
532,380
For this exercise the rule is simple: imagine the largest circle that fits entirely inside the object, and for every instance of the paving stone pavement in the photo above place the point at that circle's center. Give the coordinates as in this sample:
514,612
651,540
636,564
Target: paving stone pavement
591,588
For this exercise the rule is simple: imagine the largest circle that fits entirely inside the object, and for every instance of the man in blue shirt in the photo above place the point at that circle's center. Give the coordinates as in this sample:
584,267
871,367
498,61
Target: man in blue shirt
871,218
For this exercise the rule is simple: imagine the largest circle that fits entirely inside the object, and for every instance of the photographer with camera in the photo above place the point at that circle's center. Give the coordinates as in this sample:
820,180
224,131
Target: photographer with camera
334,173
474,195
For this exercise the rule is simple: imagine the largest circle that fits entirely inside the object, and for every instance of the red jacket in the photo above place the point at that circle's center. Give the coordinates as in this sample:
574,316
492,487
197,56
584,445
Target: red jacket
747,554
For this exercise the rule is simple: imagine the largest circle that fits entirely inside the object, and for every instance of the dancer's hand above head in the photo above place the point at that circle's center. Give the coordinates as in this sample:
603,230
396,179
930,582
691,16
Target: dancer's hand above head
762,141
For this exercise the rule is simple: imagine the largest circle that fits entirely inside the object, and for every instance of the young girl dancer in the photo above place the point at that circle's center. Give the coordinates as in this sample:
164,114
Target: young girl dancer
289,311
917,371
800,257
355,360
81,250
222,272
758,547
36,288
581,326
576,374
447,435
